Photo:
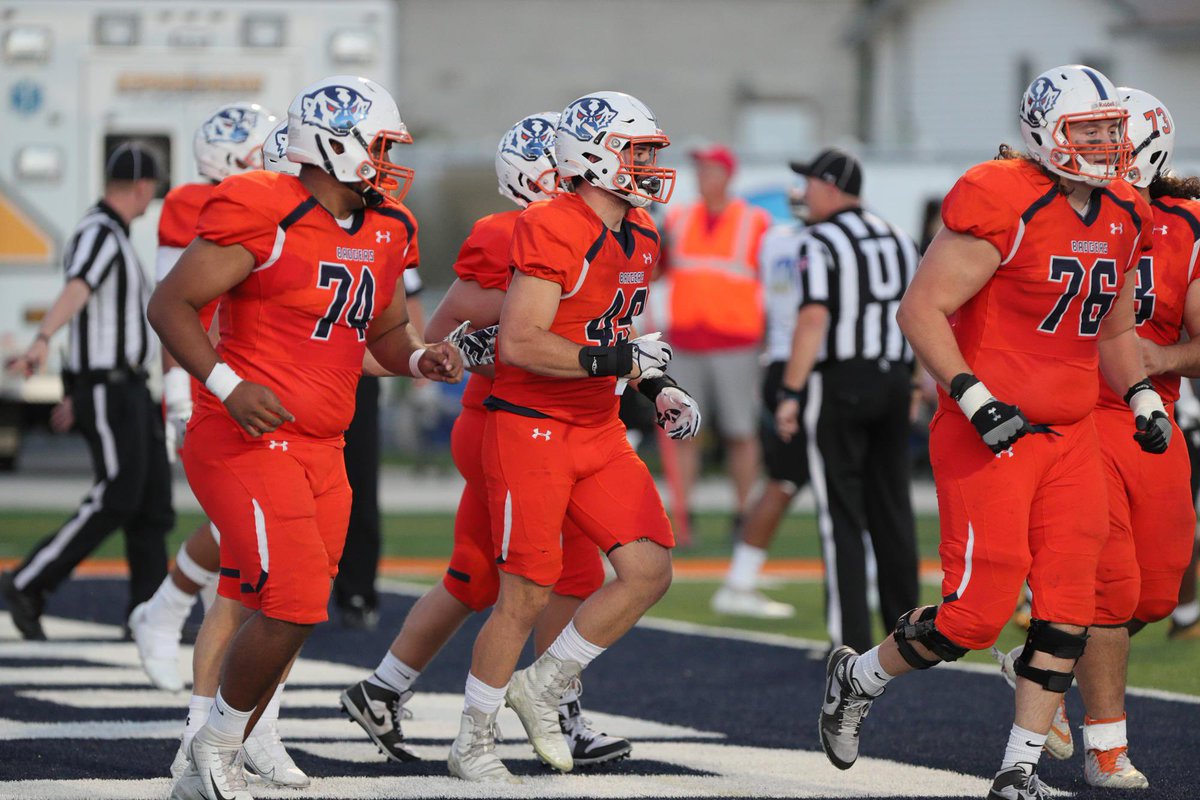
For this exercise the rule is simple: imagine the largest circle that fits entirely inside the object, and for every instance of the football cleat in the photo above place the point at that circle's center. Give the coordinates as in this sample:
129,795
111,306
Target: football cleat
158,649
588,746
843,711
534,693
218,767
266,757
473,752
378,711
750,603
1059,742
25,608
180,763
1014,783
1112,769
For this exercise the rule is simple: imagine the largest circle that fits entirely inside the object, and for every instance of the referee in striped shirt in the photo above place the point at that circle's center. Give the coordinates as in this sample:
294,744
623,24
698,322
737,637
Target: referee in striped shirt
858,369
110,344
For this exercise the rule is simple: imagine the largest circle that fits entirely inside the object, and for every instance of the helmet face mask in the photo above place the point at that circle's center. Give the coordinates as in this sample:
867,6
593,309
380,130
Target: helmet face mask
611,140
526,167
1074,125
230,141
1152,133
345,125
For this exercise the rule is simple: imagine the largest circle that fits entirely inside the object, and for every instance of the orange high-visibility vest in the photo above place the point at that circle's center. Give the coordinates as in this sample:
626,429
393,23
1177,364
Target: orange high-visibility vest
716,298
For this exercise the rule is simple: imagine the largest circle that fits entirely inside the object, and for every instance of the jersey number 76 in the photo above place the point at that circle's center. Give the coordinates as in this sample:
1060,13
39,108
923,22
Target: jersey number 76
1102,291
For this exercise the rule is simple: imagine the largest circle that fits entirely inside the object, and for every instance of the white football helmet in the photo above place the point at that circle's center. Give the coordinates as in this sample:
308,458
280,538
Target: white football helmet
1068,96
275,152
230,140
596,140
525,159
346,125
1152,133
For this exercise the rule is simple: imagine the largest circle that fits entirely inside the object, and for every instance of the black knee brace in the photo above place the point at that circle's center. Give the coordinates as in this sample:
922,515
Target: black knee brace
1053,641
925,631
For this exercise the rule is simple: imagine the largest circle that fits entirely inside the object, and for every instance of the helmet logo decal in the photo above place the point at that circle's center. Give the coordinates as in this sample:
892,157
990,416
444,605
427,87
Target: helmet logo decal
229,125
1038,101
584,118
336,109
530,140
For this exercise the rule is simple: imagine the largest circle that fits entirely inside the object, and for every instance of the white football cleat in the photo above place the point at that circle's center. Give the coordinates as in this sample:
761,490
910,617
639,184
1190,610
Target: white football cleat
267,758
534,693
1112,769
218,767
473,752
589,746
180,763
750,603
158,649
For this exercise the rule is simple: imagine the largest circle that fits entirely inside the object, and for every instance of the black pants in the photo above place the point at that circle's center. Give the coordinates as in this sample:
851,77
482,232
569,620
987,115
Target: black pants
857,415
124,431
360,560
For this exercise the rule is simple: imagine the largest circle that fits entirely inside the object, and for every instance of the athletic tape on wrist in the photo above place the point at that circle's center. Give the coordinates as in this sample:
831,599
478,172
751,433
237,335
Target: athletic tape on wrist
974,398
1145,402
414,368
222,380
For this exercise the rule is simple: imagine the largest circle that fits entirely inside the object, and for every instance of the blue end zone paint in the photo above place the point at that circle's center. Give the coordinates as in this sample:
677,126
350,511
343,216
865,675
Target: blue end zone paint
757,694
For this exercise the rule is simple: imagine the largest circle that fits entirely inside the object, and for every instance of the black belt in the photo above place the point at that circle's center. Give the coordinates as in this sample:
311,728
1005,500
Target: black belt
116,375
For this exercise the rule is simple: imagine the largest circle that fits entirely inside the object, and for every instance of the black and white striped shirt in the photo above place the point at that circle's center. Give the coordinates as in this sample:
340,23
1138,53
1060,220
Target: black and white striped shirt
858,266
111,332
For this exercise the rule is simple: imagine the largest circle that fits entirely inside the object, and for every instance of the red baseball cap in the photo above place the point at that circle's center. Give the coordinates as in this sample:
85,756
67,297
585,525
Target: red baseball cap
717,153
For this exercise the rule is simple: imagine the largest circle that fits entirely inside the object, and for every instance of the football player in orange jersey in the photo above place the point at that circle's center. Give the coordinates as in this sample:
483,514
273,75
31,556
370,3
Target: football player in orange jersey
525,172
228,143
1017,301
309,271
554,447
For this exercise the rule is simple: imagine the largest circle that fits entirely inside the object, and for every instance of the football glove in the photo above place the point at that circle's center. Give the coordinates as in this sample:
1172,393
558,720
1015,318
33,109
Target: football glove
998,424
650,353
177,399
1149,417
676,411
478,348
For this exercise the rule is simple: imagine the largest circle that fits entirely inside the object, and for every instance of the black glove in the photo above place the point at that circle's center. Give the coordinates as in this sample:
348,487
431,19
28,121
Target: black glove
1149,417
998,424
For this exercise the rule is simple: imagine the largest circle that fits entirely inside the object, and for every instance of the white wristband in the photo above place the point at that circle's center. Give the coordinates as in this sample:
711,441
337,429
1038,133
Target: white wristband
222,380
414,369
974,399
1145,403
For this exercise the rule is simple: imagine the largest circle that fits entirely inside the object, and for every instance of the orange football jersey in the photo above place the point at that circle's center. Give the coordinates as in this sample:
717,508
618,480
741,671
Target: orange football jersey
1163,277
298,323
483,258
177,225
1030,334
604,277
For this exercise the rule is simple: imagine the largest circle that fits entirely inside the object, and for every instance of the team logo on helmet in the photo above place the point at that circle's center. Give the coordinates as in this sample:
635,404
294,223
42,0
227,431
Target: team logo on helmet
531,139
1038,101
280,139
229,125
336,109
584,118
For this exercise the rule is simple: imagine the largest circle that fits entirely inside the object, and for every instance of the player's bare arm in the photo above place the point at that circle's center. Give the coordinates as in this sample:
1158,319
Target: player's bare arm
393,342
1120,356
467,301
954,270
1182,358
416,317
204,272
812,324
70,301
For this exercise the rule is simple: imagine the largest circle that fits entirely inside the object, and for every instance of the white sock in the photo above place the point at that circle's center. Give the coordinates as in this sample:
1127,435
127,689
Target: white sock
170,605
198,708
1024,748
270,714
570,646
868,675
1104,734
744,567
394,674
483,697
228,722
1186,613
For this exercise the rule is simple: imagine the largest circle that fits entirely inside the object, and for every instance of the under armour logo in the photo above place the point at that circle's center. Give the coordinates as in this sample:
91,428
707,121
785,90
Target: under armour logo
1009,452
1161,229
383,236
281,445
540,433
647,257
994,414
1116,227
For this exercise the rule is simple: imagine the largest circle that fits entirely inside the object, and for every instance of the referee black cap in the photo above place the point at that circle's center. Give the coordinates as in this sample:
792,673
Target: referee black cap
836,167
131,162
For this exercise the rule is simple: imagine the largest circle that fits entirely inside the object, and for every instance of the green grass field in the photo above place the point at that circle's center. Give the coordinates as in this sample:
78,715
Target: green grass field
1155,662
